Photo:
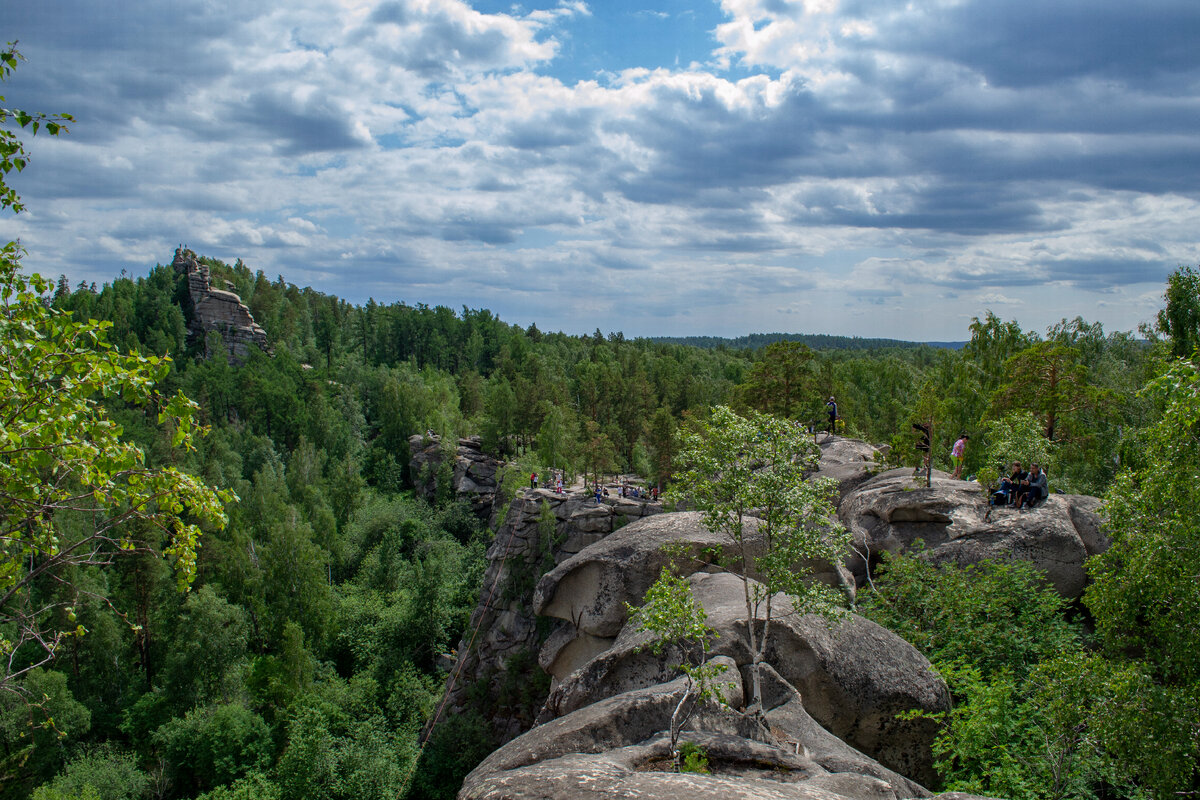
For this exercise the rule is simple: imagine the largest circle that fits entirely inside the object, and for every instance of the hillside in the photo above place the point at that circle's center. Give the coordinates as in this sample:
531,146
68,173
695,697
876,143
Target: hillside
314,645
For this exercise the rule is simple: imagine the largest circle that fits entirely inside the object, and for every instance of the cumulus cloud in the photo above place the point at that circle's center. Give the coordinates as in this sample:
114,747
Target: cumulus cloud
837,165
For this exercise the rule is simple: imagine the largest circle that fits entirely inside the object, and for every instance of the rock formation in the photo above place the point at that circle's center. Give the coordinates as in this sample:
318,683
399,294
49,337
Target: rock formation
563,568
212,309
539,530
473,477
890,512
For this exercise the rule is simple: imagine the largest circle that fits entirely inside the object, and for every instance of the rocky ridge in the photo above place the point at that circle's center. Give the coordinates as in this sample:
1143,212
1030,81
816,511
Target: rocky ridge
833,691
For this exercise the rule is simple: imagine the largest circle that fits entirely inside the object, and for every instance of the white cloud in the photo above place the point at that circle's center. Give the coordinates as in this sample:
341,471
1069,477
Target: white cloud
426,146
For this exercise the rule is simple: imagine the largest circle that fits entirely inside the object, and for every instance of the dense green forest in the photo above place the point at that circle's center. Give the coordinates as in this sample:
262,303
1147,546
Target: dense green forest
304,658
289,644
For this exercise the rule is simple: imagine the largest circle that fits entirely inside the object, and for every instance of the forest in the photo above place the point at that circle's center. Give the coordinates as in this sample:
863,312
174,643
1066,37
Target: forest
218,582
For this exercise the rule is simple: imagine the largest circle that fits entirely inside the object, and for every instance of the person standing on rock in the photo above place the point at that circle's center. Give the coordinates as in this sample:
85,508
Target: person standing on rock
533,480
957,454
831,410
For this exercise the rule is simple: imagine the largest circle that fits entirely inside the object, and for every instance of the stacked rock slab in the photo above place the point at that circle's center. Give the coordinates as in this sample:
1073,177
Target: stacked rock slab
832,692
217,310
953,523
509,634
474,474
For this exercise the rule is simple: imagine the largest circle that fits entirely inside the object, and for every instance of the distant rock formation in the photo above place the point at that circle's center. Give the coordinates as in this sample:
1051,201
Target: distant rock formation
474,475
217,310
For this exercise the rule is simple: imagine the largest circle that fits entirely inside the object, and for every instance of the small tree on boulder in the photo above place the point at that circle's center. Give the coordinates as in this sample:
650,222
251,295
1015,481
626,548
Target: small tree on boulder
733,468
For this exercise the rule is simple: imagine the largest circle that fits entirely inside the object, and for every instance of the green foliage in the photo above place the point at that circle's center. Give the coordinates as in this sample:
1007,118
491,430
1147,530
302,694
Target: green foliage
1050,380
670,612
1143,594
457,745
12,151
782,382
993,616
1180,320
731,466
38,722
103,773
1017,436
693,758
254,786
210,644
73,490
214,745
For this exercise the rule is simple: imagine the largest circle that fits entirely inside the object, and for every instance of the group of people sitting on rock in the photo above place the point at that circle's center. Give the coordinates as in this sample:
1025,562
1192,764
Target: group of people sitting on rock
628,490
1022,489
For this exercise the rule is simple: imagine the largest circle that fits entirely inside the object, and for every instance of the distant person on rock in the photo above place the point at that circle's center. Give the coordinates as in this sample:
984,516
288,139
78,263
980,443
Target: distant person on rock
533,480
957,454
832,411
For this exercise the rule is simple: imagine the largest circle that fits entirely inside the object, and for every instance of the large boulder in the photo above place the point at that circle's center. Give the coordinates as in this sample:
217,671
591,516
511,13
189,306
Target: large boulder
591,590
847,462
891,512
853,675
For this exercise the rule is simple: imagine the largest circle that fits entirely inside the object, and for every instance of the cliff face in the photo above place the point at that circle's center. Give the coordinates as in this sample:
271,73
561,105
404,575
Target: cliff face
590,719
217,310
497,672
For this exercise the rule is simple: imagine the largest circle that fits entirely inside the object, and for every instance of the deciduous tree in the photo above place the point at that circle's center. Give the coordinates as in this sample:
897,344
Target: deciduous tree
733,468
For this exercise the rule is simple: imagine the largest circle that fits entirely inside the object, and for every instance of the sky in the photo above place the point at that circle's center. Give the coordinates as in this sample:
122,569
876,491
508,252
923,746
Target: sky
852,167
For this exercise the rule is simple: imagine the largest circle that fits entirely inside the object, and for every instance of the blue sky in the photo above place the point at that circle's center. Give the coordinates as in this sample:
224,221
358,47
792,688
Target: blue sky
862,167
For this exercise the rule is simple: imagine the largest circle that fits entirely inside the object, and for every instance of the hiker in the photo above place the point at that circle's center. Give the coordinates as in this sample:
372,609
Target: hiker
533,480
1009,485
957,455
1035,488
831,410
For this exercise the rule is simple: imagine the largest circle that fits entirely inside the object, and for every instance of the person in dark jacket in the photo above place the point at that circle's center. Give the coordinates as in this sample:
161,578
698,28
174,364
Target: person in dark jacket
1010,485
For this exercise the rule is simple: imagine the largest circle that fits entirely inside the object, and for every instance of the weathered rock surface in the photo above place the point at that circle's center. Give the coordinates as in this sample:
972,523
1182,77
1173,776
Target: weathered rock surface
854,675
217,310
473,476
890,512
847,462
591,590
510,634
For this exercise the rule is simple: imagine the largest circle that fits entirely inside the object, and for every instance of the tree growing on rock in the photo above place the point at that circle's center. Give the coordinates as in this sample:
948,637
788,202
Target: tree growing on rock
671,614
733,468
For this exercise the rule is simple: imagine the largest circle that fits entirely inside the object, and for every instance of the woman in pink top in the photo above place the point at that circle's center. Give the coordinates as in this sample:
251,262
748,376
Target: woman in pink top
956,455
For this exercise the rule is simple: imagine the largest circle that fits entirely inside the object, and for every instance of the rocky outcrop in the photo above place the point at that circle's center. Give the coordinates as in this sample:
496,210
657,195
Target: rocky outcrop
833,691
847,462
217,310
473,477
854,676
891,512
540,529
591,590
832,688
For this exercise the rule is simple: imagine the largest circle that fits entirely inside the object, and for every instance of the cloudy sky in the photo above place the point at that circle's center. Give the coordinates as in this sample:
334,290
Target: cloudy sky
860,167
